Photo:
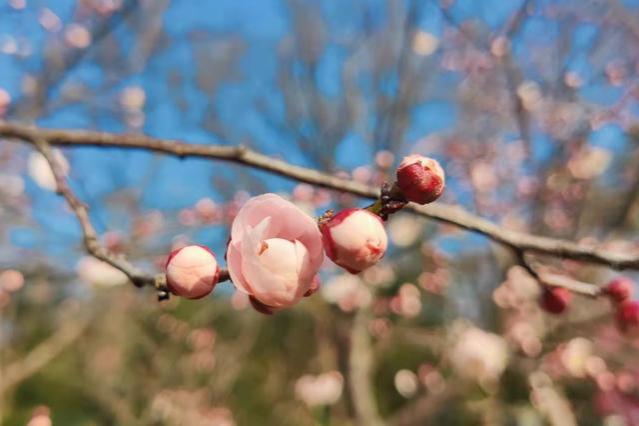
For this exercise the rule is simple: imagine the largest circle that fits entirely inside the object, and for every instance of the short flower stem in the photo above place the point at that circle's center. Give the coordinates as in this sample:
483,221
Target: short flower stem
376,207
391,200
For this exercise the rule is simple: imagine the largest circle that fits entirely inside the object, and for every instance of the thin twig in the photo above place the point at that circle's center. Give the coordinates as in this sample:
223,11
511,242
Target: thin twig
90,236
558,280
42,354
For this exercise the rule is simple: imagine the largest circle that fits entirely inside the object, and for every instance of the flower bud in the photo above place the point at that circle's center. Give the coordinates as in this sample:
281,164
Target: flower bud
354,239
421,179
192,271
555,300
628,316
619,289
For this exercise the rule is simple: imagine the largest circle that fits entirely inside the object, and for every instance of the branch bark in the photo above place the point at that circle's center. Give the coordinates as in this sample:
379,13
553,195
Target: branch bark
454,215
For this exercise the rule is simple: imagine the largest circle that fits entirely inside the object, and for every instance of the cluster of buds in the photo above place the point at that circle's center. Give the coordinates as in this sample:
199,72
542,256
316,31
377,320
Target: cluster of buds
275,250
355,239
620,291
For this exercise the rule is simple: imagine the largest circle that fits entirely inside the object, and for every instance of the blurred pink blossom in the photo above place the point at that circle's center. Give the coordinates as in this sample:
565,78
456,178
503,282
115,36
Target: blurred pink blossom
384,159
348,292
77,36
133,98
11,280
96,272
5,101
479,355
406,383
408,302
49,20
40,171
323,389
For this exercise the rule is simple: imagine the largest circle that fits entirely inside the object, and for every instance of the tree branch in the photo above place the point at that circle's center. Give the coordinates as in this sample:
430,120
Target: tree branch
91,242
450,214
557,280
360,367
42,354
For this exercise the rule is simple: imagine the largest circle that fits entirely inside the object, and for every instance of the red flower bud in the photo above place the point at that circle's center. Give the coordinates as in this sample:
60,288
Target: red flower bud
619,289
421,179
355,239
192,271
555,300
628,316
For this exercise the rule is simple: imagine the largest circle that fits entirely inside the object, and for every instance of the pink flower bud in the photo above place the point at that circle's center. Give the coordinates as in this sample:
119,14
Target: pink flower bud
355,239
619,289
555,300
274,253
192,271
628,316
421,179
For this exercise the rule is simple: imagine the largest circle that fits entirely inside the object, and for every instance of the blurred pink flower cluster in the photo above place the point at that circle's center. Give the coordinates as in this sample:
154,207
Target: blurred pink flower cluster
478,355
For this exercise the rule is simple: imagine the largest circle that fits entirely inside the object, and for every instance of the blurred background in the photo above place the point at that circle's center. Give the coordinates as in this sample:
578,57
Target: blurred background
529,105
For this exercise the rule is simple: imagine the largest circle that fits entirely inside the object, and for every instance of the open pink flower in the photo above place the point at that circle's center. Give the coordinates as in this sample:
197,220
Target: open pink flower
274,253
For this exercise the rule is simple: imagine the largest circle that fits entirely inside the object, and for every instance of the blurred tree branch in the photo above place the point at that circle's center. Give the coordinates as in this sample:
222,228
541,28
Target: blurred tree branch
42,354
58,67
360,368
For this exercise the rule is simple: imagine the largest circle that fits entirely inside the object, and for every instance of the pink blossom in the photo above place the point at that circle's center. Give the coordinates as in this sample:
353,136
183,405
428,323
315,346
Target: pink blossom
40,170
11,280
619,289
5,100
406,383
41,417
575,356
77,36
274,253
479,355
323,389
355,239
192,271
347,291
421,179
